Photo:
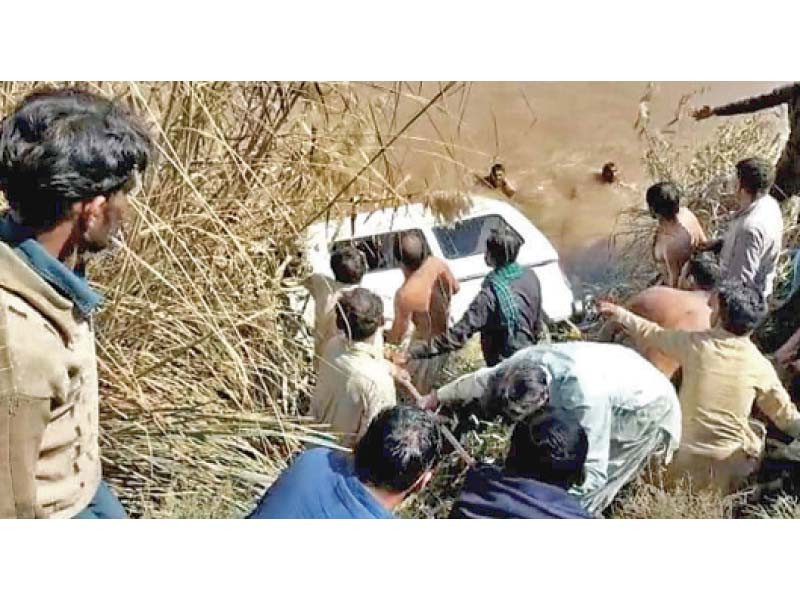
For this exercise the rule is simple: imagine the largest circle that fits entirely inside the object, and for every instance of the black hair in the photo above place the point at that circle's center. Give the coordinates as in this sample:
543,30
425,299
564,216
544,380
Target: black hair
550,446
400,444
755,175
516,391
664,199
348,264
503,245
359,313
705,272
410,249
497,167
742,307
62,146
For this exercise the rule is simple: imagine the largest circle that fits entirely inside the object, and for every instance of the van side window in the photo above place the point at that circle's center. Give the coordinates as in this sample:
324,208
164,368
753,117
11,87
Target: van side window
379,249
468,237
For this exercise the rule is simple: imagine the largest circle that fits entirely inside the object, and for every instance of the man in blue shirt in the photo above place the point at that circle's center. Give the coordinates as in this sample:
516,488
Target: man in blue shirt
394,459
545,459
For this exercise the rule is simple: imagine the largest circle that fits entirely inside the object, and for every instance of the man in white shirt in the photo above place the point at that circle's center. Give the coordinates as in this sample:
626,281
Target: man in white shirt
628,408
750,249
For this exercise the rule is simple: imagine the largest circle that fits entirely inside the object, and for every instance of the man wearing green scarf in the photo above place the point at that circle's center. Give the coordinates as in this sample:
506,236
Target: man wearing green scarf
507,311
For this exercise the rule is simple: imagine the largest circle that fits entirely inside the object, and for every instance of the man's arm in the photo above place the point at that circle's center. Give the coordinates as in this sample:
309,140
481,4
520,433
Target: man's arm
671,342
596,421
748,105
466,388
454,339
774,401
400,324
22,424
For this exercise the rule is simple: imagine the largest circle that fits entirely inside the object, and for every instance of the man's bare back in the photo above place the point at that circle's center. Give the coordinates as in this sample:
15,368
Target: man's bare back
672,309
424,299
674,243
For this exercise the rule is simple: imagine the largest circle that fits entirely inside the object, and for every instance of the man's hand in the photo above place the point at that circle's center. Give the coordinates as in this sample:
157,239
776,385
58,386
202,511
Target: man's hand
609,309
710,246
399,374
428,401
785,354
703,113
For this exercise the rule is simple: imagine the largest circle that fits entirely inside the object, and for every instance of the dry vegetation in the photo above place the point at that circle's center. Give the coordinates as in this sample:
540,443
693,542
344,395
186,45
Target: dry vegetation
204,368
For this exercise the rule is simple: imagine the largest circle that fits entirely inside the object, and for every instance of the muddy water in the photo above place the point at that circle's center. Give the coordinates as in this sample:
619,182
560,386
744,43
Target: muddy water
553,138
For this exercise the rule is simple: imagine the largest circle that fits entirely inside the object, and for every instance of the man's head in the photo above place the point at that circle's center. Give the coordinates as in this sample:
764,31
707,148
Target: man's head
348,264
399,450
502,246
549,446
699,273
497,173
737,308
359,314
663,200
410,250
516,391
755,177
609,172
69,155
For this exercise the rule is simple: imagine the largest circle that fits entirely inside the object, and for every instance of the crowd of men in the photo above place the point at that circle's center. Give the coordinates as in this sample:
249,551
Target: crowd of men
586,417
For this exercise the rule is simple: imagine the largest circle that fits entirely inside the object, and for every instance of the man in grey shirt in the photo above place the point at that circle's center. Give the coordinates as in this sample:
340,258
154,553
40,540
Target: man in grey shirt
750,248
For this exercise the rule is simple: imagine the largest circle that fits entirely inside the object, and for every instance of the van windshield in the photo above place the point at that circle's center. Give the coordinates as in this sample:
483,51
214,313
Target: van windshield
468,237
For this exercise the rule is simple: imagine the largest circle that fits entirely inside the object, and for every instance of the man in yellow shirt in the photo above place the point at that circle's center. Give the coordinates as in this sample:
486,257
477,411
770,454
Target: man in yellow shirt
723,375
355,382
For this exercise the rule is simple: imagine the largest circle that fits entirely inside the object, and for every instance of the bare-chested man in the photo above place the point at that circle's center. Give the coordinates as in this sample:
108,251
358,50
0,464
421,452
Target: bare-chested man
679,232
685,309
423,301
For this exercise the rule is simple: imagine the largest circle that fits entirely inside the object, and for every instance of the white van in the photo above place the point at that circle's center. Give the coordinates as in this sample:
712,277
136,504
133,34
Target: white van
461,243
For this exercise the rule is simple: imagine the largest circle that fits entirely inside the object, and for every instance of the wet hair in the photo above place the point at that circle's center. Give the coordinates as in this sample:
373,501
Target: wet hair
503,245
705,272
609,172
399,446
516,391
549,446
664,199
755,175
359,313
63,146
348,264
410,249
741,307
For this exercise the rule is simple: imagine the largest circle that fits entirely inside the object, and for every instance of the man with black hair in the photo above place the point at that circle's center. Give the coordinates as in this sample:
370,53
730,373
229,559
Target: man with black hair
497,180
394,459
348,265
686,309
354,382
422,303
68,161
678,233
545,459
752,244
628,409
787,171
507,311
724,374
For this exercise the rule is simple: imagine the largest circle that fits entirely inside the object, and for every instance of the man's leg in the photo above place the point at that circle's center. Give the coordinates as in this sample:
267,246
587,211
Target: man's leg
104,505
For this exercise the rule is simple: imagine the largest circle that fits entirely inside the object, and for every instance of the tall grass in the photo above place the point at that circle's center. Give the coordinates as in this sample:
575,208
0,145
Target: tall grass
205,369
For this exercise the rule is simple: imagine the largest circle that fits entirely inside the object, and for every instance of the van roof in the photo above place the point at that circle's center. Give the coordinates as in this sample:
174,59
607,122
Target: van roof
403,217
